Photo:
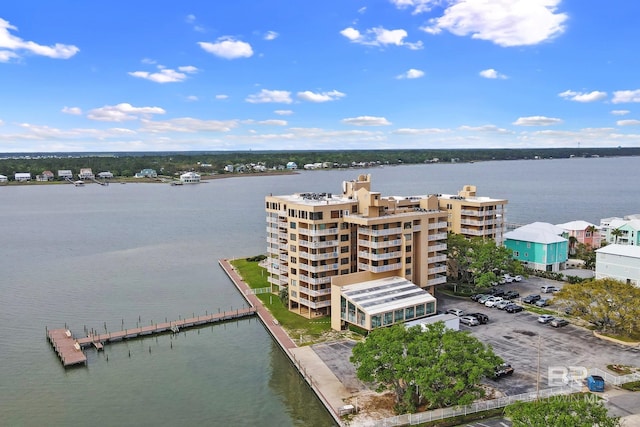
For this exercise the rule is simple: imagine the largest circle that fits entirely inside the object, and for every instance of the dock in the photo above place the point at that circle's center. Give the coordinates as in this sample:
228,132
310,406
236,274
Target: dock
70,349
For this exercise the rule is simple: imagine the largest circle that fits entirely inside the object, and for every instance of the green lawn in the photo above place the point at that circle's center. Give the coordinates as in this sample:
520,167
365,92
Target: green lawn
256,277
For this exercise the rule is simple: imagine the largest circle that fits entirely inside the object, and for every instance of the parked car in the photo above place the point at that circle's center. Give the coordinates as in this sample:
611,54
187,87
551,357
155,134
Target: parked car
507,278
476,297
513,308
547,289
500,305
492,301
455,312
543,302
484,299
517,278
531,299
511,295
503,370
469,320
482,318
496,292
558,323
545,318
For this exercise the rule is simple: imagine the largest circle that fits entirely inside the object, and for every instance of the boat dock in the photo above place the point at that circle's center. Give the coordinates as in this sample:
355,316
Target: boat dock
70,349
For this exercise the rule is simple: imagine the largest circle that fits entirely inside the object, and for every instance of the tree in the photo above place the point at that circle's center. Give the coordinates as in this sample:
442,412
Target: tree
561,411
436,367
459,257
573,240
587,254
610,305
616,233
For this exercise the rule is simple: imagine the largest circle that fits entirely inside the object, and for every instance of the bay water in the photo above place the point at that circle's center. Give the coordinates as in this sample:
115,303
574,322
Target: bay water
123,255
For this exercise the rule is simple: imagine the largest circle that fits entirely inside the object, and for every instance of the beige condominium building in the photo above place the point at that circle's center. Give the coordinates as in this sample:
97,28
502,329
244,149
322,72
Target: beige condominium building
474,216
314,237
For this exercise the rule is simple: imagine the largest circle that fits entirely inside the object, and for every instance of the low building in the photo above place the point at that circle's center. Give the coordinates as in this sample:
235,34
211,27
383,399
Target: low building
147,173
3,178
451,321
292,165
105,175
45,176
539,246
619,262
375,303
65,174
190,178
621,231
86,173
22,176
584,232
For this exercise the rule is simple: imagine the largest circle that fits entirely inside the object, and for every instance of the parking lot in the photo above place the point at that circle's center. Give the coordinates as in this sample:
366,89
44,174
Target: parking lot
518,338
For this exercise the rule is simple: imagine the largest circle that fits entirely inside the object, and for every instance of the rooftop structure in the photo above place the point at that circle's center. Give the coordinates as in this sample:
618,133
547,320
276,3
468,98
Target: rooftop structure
619,262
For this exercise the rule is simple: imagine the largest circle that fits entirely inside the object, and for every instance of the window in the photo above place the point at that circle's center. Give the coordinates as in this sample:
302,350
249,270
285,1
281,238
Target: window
420,310
344,249
294,294
294,260
344,261
292,248
528,245
292,237
407,272
344,238
294,271
409,313
388,318
407,237
315,216
344,271
526,254
407,260
292,225
431,307
375,321
516,253
398,316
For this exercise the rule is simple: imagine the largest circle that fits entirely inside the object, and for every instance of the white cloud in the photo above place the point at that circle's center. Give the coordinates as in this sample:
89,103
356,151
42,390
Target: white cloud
503,22
192,98
227,47
419,6
628,122
490,73
190,19
362,10
283,112
148,61
273,122
265,95
222,96
380,36
366,121
620,112
423,131
166,75
307,95
270,35
621,96
537,121
72,110
412,73
122,112
187,125
14,44
485,128
583,96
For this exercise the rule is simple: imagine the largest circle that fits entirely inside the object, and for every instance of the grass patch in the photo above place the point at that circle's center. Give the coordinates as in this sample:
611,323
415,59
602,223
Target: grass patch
464,419
620,369
626,338
632,386
539,310
256,277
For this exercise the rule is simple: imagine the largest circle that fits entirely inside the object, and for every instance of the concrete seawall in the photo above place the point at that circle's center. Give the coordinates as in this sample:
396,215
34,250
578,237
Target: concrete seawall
315,372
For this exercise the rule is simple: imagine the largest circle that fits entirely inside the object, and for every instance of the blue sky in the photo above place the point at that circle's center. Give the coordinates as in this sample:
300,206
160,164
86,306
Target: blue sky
332,74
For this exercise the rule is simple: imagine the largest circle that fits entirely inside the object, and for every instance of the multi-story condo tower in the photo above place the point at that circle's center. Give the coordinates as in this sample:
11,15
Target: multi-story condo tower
474,216
313,237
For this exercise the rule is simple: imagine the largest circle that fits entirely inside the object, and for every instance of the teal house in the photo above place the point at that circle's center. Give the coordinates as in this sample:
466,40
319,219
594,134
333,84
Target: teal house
539,246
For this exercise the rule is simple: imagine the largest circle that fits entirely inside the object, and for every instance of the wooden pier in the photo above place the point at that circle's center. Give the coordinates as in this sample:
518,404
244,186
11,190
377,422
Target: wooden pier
69,349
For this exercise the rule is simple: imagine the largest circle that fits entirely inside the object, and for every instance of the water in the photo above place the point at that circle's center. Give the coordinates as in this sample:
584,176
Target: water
140,253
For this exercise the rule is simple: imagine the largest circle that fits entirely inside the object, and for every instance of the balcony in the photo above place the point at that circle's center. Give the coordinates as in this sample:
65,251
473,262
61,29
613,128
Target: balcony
486,212
475,232
438,269
315,245
382,232
313,293
324,232
437,236
379,269
477,223
314,281
438,280
318,257
277,281
437,258
437,225
379,257
378,245
319,304
437,248
318,268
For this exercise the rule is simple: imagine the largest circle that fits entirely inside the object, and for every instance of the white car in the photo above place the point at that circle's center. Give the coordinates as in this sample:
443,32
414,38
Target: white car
492,301
517,278
508,278
469,321
455,311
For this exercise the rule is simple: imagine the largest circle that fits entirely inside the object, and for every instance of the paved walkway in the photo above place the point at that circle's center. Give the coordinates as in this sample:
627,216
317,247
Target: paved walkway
317,374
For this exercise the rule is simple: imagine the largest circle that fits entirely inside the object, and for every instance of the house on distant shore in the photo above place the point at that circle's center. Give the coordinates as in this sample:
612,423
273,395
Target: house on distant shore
64,174
619,262
292,165
45,176
3,178
105,175
621,231
190,178
86,173
147,173
583,232
22,176
539,246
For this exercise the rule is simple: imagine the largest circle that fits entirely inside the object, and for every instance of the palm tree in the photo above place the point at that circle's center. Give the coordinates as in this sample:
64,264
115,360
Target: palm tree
616,232
572,245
